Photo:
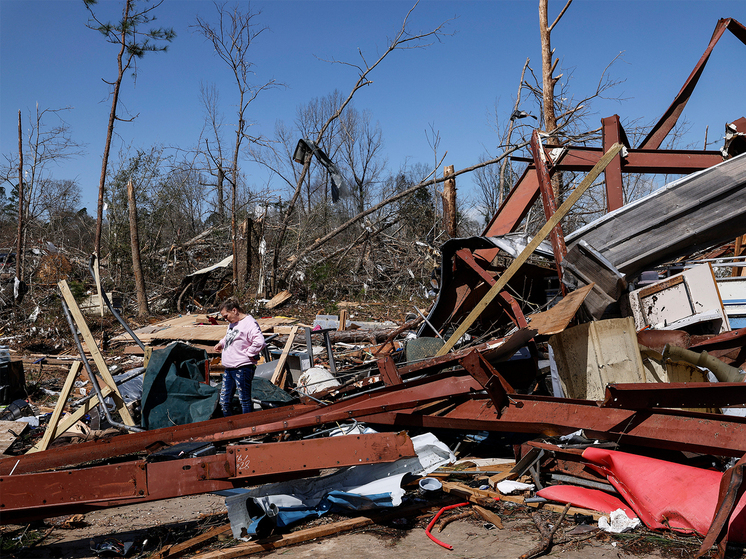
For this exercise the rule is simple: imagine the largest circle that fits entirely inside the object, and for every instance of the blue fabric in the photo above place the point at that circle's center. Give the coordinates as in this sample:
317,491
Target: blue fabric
335,501
237,380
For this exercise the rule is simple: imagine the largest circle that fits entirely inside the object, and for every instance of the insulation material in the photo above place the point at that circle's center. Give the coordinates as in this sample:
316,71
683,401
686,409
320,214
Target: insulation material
666,495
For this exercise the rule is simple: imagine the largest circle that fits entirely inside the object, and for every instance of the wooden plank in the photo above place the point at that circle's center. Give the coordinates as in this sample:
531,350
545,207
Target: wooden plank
278,377
278,299
300,536
51,433
185,547
189,328
74,417
103,369
660,286
553,507
489,516
344,315
9,432
556,319
532,246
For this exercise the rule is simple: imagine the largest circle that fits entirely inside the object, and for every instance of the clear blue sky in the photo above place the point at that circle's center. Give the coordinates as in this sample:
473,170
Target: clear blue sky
49,57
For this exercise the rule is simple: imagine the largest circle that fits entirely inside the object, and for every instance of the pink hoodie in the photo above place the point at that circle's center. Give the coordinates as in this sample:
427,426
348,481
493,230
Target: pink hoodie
242,343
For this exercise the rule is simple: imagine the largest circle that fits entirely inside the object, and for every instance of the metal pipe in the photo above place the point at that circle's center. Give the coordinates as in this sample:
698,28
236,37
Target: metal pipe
91,376
108,304
723,371
585,482
428,323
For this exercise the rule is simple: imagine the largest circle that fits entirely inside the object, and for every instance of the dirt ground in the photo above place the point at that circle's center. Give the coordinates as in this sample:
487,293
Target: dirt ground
185,517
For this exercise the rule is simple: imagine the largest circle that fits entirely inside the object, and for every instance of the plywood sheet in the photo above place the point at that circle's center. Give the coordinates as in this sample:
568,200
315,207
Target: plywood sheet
556,319
194,327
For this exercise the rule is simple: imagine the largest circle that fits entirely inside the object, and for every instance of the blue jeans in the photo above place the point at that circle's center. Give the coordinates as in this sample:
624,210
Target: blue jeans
237,379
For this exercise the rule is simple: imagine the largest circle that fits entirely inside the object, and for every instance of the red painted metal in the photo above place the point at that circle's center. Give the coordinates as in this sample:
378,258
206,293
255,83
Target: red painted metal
141,481
486,375
389,374
556,236
658,133
315,454
730,492
660,428
506,300
612,132
679,162
582,159
514,208
47,489
640,396
148,441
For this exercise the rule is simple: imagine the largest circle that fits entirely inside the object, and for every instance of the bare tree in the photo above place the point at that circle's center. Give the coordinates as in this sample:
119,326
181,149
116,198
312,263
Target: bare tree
19,238
548,79
404,39
362,146
213,154
231,38
38,195
133,43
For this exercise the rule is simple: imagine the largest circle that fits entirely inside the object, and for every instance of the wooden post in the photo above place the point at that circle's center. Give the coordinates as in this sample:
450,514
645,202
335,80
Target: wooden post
449,202
278,377
142,296
528,251
343,316
738,251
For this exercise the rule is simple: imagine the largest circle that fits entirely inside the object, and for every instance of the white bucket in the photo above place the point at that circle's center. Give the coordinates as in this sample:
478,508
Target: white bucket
315,380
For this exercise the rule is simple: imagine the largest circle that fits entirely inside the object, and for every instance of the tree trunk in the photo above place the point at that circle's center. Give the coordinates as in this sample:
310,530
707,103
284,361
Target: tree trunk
19,240
142,297
449,202
221,195
548,82
109,135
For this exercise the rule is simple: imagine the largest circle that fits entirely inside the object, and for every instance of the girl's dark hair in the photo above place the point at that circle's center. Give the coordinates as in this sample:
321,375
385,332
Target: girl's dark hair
230,304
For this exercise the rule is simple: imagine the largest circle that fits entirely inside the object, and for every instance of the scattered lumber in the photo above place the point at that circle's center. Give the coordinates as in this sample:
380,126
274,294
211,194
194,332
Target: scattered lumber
300,536
185,547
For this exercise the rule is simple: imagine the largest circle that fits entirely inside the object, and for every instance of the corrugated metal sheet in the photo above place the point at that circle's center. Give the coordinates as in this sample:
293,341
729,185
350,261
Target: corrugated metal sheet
698,211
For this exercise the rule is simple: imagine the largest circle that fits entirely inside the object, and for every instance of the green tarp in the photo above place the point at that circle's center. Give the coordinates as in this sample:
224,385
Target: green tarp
173,391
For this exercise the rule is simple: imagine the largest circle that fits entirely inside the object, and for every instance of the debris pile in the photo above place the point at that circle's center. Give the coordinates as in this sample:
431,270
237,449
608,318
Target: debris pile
600,376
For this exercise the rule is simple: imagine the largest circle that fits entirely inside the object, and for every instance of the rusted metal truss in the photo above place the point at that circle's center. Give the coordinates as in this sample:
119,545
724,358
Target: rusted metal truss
25,497
550,205
473,396
648,158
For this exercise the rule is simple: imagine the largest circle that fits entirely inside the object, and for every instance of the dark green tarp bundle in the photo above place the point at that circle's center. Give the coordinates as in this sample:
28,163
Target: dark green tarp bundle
173,391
